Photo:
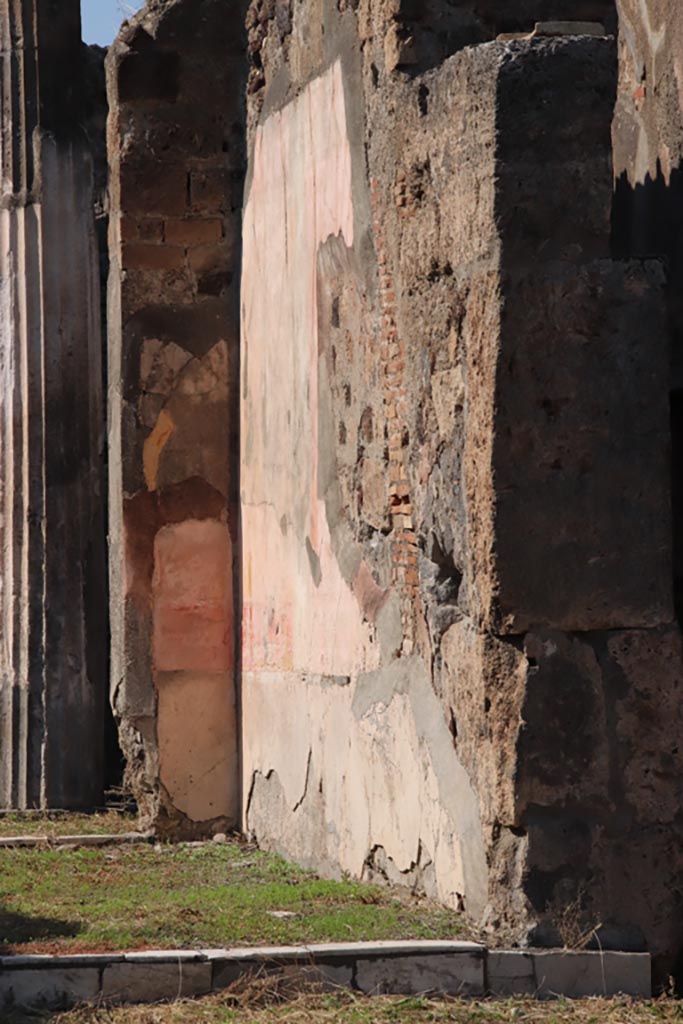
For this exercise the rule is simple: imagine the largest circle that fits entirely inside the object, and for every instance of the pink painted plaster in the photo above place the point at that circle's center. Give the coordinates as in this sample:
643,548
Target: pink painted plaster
192,598
301,194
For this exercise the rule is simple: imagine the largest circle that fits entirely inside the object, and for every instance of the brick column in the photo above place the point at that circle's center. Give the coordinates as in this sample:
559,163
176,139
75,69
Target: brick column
176,148
52,582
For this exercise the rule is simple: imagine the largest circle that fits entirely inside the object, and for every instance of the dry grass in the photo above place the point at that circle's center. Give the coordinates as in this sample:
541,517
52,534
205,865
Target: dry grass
576,929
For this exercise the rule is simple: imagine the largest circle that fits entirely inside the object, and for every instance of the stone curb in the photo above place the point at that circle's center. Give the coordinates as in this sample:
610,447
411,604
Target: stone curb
373,968
121,838
576,975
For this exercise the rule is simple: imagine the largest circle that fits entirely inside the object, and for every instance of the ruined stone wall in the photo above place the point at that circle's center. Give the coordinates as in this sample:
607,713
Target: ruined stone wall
176,142
460,668
412,35
53,646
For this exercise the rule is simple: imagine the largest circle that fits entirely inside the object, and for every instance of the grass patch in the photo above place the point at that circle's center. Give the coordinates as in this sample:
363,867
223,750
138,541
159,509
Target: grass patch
53,825
250,1007
165,897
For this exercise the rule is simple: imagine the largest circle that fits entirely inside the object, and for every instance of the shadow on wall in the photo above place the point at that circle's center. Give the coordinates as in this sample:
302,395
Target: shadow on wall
95,126
429,31
647,222
17,929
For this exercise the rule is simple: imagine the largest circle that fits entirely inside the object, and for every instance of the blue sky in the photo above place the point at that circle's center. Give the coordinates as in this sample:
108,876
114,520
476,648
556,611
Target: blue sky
102,18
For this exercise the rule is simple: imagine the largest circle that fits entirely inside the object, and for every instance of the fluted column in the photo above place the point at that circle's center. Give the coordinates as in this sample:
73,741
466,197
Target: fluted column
52,581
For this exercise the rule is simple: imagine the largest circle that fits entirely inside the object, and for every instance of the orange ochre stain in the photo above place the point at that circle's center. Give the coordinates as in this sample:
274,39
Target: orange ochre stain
154,445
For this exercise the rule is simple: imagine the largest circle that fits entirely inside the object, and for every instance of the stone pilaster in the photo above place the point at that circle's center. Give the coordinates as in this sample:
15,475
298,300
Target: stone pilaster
52,579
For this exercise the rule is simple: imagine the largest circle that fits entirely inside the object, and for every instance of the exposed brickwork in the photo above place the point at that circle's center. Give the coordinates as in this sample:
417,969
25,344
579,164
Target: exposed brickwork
175,245
404,550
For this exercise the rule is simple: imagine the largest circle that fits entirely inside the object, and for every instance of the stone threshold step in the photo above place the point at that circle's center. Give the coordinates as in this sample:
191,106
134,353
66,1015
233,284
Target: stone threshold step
115,839
373,968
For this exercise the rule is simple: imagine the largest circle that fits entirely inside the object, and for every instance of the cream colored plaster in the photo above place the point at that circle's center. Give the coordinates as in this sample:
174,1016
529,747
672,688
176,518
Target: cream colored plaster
197,736
352,782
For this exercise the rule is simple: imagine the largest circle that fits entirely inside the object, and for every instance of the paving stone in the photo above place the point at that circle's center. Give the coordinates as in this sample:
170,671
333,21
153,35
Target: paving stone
136,982
271,953
452,974
165,956
68,842
22,841
510,973
388,947
49,988
120,839
46,961
37,959
581,974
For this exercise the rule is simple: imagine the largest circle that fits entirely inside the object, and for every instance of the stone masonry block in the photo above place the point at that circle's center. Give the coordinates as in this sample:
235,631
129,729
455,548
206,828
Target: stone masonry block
580,477
554,104
452,974
510,973
330,976
48,989
335,972
132,982
578,975
566,424
572,974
